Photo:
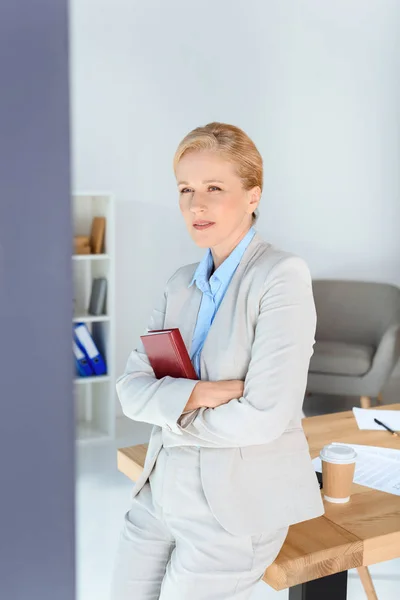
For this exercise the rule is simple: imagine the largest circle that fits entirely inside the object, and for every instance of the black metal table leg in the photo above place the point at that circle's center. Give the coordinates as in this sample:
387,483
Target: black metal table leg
332,587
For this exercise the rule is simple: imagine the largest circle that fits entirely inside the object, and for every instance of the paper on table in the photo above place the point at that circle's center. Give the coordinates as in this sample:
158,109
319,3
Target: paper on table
390,453
365,418
376,468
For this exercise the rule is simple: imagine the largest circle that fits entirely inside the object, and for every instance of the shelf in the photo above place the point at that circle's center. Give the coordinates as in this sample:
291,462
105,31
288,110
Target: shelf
85,432
94,397
94,379
85,318
90,256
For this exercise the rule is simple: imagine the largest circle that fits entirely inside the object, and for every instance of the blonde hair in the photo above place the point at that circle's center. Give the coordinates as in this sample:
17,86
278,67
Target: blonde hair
230,142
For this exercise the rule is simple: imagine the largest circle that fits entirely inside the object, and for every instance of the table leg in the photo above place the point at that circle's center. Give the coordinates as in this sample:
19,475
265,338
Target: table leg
332,587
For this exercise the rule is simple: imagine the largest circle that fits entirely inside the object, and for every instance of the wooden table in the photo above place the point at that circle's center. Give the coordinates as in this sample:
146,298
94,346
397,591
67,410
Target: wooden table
316,555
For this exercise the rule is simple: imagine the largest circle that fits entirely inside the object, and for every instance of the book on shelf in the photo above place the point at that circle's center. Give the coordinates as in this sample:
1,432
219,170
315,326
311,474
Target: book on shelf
97,302
97,235
82,365
82,244
86,344
94,242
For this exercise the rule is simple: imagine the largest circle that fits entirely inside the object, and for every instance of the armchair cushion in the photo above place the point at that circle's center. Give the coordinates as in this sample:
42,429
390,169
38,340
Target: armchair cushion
341,358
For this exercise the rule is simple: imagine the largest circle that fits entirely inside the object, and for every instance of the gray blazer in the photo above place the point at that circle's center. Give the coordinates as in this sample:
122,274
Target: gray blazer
255,466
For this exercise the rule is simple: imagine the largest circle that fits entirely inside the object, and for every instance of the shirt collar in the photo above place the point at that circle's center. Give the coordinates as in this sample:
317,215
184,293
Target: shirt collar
226,269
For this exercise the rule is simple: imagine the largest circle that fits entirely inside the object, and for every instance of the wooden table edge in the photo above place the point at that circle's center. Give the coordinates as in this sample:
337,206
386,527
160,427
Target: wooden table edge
276,575
356,552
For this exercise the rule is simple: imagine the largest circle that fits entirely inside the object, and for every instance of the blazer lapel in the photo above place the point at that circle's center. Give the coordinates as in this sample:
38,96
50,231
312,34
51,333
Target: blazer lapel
227,306
190,310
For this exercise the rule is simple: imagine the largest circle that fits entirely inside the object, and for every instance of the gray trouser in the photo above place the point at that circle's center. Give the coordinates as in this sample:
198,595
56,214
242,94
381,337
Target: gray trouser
173,548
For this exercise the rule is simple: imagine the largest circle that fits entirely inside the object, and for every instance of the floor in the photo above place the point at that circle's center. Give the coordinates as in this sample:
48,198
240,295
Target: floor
102,495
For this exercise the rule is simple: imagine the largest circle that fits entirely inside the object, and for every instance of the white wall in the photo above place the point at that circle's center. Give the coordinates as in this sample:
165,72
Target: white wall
315,84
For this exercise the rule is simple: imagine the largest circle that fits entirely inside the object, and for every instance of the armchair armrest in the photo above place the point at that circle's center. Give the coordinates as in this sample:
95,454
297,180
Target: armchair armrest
386,355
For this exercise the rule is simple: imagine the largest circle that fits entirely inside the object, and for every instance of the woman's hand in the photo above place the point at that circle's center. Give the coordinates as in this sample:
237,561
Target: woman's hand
210,394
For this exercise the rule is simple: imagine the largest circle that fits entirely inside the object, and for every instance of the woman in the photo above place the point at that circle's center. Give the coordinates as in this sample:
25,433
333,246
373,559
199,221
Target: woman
227,468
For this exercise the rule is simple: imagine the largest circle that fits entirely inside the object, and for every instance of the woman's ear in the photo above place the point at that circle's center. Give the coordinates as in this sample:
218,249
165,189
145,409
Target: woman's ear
254,196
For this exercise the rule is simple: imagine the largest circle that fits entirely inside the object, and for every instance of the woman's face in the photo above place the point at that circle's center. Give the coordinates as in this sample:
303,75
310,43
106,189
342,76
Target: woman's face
210,191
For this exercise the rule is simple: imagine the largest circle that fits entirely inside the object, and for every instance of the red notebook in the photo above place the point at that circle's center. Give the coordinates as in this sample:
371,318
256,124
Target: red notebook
167,354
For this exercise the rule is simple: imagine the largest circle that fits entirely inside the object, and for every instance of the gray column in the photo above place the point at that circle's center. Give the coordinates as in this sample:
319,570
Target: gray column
36,409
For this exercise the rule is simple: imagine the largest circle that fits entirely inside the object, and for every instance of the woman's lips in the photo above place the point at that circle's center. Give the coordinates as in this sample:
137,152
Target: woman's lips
203,227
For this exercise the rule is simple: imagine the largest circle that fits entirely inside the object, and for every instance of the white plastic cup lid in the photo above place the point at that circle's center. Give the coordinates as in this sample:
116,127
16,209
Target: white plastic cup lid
338,454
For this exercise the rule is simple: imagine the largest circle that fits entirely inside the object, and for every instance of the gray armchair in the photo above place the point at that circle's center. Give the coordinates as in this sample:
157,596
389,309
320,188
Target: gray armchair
357,340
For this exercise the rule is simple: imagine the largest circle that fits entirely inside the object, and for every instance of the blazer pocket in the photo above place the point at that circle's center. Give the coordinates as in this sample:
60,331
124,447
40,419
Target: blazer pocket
255,452
291,442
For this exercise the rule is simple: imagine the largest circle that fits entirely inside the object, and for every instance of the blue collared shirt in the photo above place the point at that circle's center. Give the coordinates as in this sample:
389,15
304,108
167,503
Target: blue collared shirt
213,289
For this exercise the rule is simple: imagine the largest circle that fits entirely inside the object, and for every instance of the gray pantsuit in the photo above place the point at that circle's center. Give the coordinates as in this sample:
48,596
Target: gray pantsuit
173,548
215,516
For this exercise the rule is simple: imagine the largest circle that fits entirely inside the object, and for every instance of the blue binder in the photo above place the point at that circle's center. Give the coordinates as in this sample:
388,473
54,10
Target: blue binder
87,345
83,368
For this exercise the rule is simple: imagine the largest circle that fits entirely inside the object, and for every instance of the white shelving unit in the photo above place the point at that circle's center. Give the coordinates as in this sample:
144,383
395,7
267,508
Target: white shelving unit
95,396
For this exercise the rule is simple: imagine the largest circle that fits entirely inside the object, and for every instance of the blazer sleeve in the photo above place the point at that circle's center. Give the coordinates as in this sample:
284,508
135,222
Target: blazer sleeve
276,379
145,398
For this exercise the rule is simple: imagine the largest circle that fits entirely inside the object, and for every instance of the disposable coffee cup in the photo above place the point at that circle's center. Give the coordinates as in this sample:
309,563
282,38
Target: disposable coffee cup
338,466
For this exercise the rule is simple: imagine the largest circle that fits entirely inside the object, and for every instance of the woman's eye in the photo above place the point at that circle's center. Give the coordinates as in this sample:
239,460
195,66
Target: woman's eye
211,188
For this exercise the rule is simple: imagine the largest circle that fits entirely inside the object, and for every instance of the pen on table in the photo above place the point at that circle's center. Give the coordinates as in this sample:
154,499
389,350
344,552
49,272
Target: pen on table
386,427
